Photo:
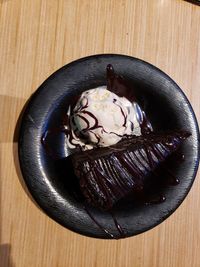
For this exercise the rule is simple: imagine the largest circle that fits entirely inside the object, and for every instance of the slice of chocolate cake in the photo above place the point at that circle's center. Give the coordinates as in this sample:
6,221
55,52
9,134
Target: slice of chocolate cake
107,175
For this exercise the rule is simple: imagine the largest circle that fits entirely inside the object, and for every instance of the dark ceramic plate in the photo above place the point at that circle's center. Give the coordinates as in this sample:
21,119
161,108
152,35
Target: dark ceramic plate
52,183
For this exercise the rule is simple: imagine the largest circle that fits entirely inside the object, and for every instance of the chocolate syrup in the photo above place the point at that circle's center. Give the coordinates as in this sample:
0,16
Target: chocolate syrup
110,235
47,134
155,200
118,85
118,226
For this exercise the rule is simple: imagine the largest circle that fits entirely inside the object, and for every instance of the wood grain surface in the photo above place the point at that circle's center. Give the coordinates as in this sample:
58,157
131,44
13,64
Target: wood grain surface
36,38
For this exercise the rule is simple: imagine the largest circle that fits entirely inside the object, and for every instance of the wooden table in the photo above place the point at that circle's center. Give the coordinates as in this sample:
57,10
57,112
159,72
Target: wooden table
38,37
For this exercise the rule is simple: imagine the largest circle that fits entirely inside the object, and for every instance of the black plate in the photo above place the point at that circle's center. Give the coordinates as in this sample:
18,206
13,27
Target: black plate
53,184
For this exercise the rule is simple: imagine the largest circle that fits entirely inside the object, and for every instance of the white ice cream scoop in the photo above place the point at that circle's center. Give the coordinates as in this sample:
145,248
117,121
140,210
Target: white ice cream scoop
101,118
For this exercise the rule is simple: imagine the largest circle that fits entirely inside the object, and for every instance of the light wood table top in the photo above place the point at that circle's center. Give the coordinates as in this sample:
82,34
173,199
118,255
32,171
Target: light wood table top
38,37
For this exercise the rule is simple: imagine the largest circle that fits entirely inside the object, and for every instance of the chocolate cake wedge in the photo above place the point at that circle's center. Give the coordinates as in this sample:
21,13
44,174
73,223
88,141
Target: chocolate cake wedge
107,175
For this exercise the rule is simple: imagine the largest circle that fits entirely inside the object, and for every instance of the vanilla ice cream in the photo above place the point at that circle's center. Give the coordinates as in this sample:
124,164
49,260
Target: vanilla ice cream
100,118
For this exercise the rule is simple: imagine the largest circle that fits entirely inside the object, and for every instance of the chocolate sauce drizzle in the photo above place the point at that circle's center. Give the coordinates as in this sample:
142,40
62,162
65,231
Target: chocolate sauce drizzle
138,162
110,235
82,135
118,85
52,132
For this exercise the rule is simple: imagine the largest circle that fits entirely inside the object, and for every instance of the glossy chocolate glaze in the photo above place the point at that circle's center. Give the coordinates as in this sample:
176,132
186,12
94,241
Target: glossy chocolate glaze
118,85
109,174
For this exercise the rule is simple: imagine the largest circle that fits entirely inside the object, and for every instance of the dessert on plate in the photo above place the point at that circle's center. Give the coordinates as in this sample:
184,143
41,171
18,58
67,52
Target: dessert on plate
114,147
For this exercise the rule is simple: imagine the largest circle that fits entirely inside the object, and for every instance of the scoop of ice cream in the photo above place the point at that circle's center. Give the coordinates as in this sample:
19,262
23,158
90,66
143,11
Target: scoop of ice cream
101,118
